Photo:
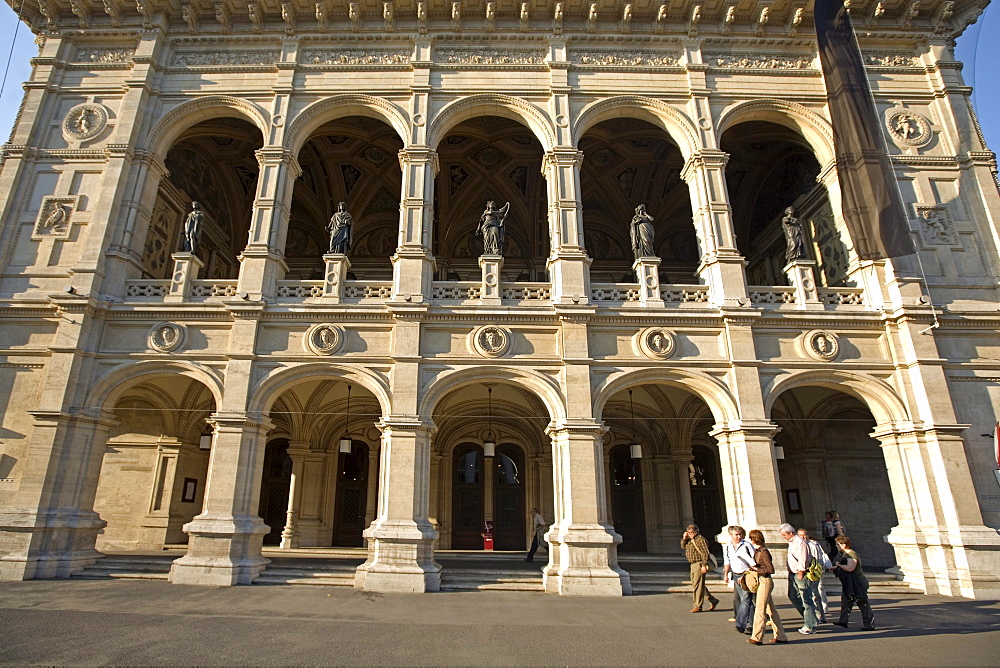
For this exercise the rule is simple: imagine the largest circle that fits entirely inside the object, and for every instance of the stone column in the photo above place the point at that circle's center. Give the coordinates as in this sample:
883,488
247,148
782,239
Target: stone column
583,558
337,266
50,528
802,276
371,500
721,265
491,266
156,525
225,540
647,272
568,263
185,273
401,539
297,450
683,475
413,264
750,474
262,263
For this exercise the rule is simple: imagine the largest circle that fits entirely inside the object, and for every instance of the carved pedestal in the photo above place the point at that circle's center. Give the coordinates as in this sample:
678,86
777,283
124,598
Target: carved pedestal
647,272
491,266
802,275
186,268
337,266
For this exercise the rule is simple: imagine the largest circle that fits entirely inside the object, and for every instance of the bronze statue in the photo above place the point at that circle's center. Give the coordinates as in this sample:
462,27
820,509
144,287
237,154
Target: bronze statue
794,238
339,228
192,228
642,233
491,228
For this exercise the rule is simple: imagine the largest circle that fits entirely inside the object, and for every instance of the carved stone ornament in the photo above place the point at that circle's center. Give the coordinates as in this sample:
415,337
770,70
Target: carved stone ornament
55,217
936,227
656,342
907,128
324,339
491,341
84,121
821,345
167,337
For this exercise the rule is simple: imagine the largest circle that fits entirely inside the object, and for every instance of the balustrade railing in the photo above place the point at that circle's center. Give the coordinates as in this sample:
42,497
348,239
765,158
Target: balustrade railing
299,289
145,289
208,289
842,296
764,296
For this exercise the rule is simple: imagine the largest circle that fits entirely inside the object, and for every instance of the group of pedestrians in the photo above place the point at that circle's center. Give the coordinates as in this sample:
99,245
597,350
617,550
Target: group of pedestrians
749,566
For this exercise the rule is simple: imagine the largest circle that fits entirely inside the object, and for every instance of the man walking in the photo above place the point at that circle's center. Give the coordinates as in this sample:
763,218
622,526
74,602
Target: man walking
696,549
817,553
738,558
801,590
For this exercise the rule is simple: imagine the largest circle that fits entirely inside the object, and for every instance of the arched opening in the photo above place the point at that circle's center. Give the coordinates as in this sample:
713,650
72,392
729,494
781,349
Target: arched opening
832,463
352,160
770,168
675,479
469,488
153,468
320,475
628,162
489,158
212,163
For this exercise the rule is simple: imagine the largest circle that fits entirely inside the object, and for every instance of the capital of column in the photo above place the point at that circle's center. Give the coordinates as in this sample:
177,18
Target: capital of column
278,155
405,424
151,161
758,429
419,155
704,159
240,421
576,427
562,157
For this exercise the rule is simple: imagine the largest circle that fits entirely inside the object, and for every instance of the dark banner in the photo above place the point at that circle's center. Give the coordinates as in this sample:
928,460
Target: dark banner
873,208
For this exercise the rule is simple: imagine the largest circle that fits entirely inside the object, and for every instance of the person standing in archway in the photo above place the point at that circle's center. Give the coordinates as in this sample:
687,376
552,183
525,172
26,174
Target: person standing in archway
538,527
696,550
832,527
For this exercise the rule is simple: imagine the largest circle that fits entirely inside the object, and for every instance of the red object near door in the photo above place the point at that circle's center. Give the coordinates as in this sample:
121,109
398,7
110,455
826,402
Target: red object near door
488,536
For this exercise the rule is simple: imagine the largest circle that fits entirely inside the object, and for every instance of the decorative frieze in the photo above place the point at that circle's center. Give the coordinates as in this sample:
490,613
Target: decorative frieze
891,60
478,56
102,54
223,58
625,58
754,61
356,57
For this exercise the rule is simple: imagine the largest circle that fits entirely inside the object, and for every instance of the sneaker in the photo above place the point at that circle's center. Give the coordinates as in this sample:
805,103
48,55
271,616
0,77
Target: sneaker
806,631
731,619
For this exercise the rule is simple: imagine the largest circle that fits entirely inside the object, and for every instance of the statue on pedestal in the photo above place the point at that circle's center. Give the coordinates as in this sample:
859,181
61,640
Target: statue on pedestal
491,228
642,233
794,238
339,228
192,228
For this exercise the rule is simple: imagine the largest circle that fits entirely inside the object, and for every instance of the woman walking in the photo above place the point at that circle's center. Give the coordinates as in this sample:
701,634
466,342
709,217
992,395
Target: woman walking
854,586
832,527
764,604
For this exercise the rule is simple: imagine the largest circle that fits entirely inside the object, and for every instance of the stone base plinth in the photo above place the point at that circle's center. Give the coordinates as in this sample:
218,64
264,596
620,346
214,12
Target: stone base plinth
491,266
963,562
583,561
337,266
400,559
38,545
221,552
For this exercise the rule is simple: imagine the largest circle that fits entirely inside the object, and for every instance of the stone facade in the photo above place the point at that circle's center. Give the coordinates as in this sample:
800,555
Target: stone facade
155,397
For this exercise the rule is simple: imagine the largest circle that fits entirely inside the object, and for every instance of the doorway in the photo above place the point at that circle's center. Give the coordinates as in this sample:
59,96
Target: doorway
352,496
468,498
274,489
508,498
626,499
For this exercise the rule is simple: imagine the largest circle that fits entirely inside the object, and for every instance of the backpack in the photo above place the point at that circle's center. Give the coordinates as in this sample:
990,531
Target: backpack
814,572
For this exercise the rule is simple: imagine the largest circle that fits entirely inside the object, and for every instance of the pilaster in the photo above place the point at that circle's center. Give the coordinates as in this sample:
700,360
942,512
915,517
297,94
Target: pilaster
413,264
568,262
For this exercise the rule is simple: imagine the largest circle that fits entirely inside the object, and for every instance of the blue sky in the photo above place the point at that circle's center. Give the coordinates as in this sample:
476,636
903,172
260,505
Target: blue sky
977,48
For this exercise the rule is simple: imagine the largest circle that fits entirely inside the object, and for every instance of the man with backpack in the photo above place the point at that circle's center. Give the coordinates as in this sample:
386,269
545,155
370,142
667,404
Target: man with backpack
820,559
738,558
801,590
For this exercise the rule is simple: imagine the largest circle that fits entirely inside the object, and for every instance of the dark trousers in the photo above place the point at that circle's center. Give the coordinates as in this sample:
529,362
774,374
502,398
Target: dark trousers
867,616
831,547
743,605
534,548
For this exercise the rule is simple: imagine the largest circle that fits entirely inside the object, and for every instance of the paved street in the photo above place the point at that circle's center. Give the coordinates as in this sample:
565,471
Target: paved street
142,622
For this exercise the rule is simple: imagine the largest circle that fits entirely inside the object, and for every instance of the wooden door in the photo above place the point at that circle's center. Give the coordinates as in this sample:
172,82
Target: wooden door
467,516
706,492
274,486
352,497
626,499
508,498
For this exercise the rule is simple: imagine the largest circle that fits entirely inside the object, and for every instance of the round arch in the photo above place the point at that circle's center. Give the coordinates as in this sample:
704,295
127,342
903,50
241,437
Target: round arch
676,124
544,388
263,398
492,104
813,128
187,114
315,115
116,382
712,391
880,398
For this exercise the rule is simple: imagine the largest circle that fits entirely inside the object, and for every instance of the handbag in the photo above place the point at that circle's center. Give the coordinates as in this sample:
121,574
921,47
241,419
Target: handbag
750,581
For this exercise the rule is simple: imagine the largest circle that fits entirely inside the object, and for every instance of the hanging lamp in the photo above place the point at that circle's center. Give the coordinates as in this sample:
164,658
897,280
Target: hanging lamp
635,449
490,445
345,441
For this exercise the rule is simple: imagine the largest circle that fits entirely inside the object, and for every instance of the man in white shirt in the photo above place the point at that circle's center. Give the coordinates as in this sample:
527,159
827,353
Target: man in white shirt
817,553
738,557
801,590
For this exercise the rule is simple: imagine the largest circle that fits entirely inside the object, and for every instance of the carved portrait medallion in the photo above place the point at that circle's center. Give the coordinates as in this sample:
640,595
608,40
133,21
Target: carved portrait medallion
167,337
84,121
324,339
821,345
656,342
907,128
491,341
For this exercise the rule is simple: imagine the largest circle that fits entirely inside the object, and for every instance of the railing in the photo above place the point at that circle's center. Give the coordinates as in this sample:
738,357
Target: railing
842,296
629,292
208,289
763,296
464,291
289,290
144,289
614,292
368,290
684,294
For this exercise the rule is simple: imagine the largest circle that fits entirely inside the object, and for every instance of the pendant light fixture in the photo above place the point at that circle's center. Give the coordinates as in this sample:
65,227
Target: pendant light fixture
345,441
490,445
205,442
634,448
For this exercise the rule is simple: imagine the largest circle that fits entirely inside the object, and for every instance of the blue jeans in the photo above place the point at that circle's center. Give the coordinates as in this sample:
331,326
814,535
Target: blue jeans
802,594
743,603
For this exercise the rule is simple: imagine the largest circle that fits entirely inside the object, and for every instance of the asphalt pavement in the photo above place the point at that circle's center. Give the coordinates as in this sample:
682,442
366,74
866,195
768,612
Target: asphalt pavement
120,622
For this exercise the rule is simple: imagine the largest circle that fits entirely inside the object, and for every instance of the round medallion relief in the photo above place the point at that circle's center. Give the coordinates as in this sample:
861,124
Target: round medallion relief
907,128
84,121
491,341
656,342
166,336
324,339
821,345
